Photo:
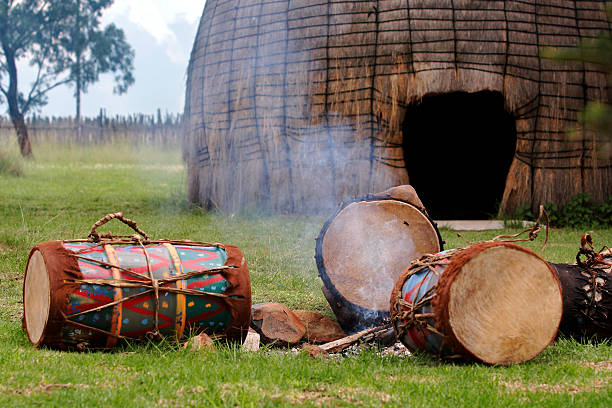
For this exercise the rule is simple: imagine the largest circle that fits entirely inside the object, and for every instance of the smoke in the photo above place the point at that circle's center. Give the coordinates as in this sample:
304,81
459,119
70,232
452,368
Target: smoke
392,251
264,130
265,134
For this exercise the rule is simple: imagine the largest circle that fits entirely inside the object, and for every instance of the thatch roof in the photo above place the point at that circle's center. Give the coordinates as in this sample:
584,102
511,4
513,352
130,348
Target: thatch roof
297,105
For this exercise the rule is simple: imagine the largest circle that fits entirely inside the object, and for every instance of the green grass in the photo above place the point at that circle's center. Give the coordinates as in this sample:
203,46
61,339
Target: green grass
67,188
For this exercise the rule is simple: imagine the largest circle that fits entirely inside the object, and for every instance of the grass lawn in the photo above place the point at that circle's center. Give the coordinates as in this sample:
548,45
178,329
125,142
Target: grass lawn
68,188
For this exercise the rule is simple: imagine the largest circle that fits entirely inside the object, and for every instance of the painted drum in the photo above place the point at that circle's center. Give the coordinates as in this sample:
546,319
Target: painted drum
88,295
492,302
361,251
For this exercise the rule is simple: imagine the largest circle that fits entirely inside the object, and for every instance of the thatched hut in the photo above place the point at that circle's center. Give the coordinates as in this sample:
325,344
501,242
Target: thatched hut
297,105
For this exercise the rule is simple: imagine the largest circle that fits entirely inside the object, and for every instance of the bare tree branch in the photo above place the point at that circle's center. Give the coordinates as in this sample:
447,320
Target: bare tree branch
39,79
43,91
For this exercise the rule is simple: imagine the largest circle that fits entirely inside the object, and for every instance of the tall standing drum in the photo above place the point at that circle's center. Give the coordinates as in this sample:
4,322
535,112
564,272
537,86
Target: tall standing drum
493,302
362,250
87,294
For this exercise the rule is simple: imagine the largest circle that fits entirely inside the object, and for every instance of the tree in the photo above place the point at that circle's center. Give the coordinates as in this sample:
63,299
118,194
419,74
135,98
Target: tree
65,45
94,50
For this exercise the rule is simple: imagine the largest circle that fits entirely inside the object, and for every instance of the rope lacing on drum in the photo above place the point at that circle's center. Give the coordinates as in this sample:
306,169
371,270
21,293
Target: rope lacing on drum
594,261
137,280
532,232
407,316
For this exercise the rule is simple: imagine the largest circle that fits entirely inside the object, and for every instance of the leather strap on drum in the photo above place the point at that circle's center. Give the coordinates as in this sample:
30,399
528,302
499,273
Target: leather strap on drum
96,237
238,293
237,296
117,314
181,303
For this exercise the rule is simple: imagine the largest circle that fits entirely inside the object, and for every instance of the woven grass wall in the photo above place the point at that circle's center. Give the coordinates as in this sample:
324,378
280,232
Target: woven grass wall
296,105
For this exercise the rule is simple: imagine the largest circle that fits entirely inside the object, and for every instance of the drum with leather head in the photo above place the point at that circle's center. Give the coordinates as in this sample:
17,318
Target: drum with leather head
90,293
363,248
492,302
587,293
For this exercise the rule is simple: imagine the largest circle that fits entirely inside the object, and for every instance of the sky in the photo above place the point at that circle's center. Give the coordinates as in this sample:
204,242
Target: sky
161,32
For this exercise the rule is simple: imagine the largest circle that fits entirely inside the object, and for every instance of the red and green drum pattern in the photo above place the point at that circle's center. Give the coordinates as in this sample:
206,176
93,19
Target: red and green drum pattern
415,289
122,311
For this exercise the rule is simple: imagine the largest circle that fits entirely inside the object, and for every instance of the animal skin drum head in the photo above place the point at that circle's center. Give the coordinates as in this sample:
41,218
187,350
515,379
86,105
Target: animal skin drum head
36,297
369,243
492,310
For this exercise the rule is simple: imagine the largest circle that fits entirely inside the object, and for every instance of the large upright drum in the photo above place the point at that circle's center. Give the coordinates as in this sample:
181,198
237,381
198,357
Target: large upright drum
361,251
88,294
492,302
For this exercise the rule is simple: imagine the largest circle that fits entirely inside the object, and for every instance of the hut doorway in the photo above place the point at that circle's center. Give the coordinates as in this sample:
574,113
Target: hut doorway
458,149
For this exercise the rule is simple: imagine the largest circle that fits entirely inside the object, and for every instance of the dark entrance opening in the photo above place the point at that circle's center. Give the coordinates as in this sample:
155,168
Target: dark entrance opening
458,149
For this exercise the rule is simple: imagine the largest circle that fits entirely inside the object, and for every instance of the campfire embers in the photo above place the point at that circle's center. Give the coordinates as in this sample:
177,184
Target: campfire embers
382,335
312,332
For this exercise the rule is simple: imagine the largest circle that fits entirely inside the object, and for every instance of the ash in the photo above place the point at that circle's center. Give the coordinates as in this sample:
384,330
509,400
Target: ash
396,350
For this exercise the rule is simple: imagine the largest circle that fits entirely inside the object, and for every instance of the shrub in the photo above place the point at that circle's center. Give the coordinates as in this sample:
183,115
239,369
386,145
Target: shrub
11,163
579,212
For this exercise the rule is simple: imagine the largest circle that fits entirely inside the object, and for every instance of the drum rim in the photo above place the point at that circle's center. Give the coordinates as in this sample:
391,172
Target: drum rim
379,314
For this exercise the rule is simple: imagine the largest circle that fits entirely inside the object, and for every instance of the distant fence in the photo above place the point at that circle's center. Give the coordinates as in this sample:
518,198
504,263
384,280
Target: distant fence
137,129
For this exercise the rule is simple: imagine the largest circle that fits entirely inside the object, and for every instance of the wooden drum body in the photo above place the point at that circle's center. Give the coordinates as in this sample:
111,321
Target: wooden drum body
492,302
87,295
587,301
362,250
